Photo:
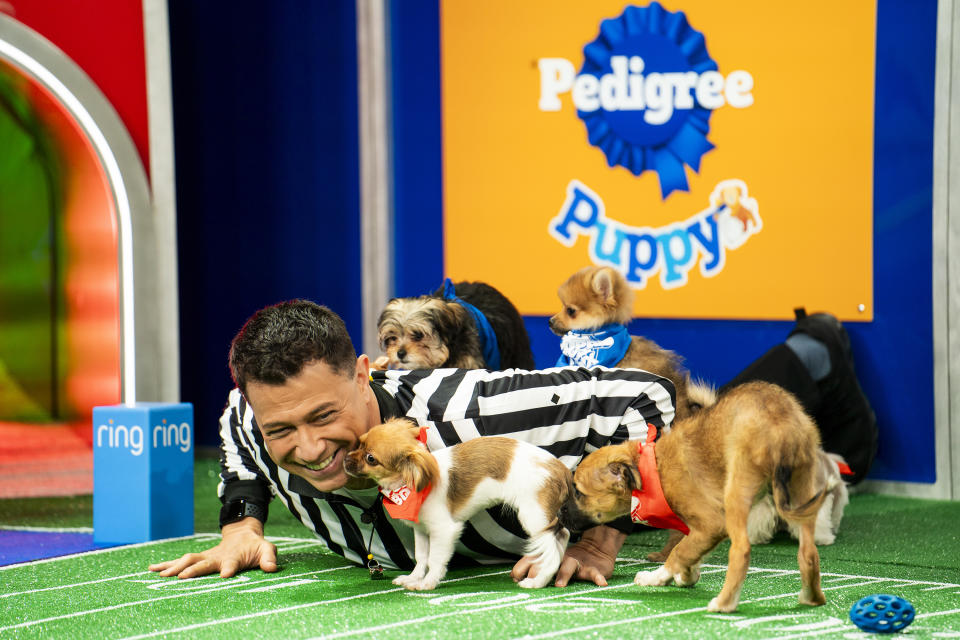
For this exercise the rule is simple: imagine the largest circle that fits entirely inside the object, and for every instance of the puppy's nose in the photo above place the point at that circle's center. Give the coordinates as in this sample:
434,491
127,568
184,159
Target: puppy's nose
555,327
401,354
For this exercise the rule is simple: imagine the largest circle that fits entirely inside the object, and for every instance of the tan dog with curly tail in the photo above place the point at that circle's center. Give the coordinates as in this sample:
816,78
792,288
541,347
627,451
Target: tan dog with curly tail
710,468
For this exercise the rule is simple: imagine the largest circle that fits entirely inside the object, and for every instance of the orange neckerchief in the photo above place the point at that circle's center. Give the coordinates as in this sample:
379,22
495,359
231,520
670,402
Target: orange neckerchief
648,504
404,503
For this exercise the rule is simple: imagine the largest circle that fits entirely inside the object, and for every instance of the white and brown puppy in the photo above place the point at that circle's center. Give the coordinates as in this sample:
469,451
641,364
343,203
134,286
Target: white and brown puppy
711,467
441,330
456,483
764,521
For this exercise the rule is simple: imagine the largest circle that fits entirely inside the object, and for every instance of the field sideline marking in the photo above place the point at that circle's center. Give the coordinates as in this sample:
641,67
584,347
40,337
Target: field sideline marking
76,584
121,547
666,614
612,623
258,614
229,585
711,569
839,627
20,565
624,561
513,603
10,527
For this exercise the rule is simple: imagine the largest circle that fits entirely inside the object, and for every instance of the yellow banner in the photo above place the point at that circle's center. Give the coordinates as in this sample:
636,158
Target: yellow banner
719,155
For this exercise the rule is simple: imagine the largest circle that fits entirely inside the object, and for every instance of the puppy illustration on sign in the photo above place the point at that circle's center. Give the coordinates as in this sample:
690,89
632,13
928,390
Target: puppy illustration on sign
736,214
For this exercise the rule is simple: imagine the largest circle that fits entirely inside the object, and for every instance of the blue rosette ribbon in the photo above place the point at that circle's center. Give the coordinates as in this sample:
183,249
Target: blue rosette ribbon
667,44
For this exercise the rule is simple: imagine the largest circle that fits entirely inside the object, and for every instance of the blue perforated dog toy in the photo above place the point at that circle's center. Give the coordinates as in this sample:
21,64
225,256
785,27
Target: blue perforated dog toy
882,613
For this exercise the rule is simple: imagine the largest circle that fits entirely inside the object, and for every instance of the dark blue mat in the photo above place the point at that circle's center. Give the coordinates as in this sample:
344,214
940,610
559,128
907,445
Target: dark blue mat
24,546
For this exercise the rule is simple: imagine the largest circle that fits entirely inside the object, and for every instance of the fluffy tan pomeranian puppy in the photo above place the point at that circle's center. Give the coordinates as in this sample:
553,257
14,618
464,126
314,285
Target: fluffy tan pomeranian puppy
596,304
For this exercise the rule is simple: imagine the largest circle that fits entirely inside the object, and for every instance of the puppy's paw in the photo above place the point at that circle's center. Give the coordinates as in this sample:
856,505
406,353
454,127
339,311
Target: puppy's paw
380,364
425,584
687,577
533,583
716,607
812,597
658,577
402,581
824,539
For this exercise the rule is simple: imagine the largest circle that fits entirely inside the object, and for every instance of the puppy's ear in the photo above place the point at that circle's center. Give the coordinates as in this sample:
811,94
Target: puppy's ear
602,283
419,469
625,475
446,319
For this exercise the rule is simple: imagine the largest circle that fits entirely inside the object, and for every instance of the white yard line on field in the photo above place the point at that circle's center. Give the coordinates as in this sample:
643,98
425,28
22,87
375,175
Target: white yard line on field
847,624
21,565
259,614
860,581
10,527
227,584
74,584
459,612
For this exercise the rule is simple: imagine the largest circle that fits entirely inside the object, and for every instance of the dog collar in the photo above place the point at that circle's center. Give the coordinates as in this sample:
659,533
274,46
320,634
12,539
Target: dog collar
605,346
488,339
648,505
404,503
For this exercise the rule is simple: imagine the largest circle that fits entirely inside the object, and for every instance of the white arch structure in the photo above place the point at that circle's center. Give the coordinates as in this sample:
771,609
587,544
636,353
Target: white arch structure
146,232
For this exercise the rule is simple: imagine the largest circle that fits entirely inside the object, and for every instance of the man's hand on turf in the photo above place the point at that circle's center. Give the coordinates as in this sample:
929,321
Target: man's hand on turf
591,559
242,547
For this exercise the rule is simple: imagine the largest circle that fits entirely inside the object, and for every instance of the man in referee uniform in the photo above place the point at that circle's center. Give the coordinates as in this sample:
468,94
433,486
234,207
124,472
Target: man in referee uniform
304,397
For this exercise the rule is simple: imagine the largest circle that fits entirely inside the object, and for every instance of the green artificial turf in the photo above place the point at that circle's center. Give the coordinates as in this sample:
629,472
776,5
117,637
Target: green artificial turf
903,546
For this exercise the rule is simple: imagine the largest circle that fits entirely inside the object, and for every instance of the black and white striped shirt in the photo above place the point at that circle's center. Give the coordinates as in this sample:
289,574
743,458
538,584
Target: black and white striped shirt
568,411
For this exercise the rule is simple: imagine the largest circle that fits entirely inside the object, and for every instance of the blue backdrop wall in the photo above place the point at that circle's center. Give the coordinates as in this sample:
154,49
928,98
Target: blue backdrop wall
265,108
265,118
894,353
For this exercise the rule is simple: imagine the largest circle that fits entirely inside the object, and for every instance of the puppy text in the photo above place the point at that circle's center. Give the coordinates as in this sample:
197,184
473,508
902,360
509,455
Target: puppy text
672,250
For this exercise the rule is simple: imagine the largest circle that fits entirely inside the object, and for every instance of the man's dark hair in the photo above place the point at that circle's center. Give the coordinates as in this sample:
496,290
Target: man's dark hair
278,341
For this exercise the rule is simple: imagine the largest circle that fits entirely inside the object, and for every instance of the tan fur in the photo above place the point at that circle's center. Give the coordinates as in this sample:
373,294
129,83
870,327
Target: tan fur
595,296
712,466
556,490
390,454
474,460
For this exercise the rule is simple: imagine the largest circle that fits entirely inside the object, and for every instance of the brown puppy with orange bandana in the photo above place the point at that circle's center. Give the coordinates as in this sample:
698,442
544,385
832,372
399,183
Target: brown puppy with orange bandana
704,476
449,486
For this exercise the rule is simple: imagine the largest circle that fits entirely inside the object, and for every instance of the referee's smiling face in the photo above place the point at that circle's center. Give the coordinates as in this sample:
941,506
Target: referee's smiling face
314,419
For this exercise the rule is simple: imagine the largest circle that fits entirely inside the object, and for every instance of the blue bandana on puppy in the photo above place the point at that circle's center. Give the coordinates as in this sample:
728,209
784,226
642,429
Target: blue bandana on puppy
604,346
491,350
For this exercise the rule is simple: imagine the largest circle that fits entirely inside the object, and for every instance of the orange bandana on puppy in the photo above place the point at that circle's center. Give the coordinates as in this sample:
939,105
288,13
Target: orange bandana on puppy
404,503
648,504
